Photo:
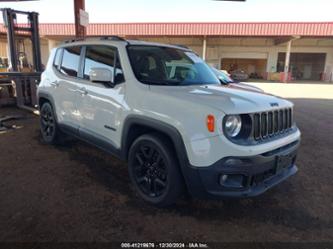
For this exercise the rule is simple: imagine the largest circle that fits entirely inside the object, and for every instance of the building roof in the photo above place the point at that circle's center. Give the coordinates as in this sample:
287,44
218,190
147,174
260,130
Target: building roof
192,29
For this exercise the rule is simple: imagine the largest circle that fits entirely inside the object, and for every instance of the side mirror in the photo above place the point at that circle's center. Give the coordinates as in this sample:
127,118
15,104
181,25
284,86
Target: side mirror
222,81
101,75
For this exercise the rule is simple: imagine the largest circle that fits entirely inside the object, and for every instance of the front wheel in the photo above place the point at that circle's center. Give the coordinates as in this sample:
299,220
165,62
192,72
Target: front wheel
154,170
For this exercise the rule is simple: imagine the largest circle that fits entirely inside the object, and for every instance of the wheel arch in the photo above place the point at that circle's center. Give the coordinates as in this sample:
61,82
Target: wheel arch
45,97
135,126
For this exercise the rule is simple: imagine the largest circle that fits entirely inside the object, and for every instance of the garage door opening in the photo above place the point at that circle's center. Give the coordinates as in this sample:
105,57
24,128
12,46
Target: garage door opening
255,68
304,66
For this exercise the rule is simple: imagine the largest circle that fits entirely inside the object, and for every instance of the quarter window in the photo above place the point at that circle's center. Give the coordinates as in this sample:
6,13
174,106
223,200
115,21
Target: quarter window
57,58
102,57
70,61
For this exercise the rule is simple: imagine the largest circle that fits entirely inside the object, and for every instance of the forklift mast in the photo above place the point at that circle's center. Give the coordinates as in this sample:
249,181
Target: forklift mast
21,86
10,22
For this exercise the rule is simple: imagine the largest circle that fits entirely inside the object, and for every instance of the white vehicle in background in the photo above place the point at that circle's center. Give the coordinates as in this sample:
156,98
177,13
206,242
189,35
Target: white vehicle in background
179,129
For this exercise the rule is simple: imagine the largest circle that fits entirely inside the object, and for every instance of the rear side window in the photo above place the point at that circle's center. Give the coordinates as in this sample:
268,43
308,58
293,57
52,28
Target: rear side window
70,61
102,57
57,58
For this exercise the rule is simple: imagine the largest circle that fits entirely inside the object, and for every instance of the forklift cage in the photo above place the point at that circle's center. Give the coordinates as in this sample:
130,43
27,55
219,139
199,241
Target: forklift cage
25,83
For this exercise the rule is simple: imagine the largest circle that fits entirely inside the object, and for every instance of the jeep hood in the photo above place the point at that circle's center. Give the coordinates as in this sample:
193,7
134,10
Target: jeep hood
229,99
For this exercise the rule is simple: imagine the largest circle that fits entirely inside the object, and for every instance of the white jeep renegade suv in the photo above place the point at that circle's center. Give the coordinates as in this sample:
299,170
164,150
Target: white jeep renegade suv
179,128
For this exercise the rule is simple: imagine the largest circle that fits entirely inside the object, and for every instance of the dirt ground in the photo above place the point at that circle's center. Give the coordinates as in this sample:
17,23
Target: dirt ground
78,193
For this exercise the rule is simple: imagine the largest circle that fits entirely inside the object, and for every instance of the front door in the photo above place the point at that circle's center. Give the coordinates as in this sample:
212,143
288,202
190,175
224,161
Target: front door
100,105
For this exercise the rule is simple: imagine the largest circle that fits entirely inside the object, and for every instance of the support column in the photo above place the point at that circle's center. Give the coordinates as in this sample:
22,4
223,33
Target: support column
272,59
286,63
80,31
204,48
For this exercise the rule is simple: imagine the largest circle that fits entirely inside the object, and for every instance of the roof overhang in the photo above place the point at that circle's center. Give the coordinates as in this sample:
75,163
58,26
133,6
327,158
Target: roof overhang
264,29
281,40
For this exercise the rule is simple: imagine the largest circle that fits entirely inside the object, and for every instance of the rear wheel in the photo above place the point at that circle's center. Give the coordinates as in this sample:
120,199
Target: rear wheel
154,170
48,125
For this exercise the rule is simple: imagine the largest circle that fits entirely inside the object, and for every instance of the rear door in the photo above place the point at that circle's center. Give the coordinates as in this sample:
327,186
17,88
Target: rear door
100,106
66,88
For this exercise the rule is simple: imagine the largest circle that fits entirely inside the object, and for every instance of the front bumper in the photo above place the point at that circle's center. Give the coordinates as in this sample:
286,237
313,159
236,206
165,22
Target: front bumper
238,177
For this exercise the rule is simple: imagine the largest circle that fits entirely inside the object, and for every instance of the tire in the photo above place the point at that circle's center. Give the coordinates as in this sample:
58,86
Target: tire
48,125
154,170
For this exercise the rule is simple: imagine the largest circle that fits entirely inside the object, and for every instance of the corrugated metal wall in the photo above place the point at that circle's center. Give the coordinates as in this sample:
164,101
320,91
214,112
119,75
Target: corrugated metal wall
188,29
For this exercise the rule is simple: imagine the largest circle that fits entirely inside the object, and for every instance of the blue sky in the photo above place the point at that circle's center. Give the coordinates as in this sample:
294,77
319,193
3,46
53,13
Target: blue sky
111,11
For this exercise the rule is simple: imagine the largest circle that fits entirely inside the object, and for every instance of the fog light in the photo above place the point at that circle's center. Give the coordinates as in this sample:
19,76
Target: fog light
231,181
223,179
233,162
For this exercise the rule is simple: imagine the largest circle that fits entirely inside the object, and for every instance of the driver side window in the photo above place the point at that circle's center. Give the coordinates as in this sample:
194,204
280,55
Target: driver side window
100,56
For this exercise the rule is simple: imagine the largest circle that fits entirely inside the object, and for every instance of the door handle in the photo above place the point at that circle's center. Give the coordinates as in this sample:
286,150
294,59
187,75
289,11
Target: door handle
83,91
55,83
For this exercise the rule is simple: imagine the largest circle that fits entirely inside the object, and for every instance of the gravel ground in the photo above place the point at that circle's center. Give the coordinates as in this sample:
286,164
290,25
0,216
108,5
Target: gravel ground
78,193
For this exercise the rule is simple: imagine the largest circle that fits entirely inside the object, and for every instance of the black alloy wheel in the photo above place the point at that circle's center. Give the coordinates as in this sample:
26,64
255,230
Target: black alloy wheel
149,170
48,124
154,170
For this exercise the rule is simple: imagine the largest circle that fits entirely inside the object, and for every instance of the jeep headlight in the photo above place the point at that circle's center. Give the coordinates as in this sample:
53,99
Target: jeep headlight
232,125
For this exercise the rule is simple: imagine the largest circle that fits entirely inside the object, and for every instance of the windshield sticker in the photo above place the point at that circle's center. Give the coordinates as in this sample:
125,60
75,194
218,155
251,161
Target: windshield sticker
194,57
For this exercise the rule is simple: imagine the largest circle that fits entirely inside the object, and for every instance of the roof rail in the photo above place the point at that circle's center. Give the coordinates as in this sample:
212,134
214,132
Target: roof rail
74,40
182,46
111,38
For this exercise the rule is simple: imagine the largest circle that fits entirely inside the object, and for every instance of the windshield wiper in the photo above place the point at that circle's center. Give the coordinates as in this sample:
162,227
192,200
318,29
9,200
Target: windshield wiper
161,82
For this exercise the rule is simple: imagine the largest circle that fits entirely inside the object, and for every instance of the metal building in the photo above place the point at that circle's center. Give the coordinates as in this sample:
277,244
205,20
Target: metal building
263,50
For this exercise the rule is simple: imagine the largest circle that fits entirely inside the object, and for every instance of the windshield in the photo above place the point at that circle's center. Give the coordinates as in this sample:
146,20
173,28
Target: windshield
169,66
222,76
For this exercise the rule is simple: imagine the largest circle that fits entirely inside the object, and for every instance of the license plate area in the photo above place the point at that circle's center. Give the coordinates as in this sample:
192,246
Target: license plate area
282,162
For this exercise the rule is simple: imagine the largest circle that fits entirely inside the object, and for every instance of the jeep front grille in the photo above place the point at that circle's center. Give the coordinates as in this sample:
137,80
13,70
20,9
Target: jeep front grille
271,123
